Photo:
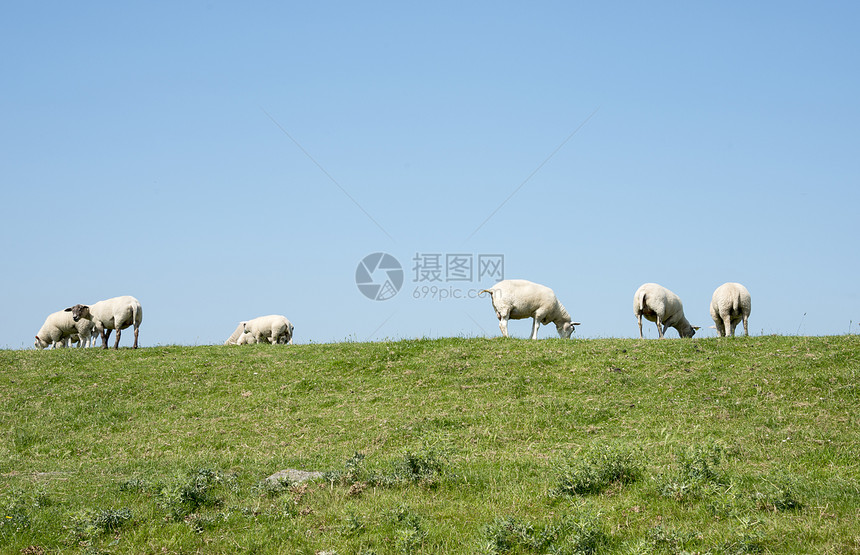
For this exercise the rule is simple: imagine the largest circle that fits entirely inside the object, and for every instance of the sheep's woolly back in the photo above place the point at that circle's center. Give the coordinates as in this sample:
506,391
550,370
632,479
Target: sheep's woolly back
520,298
730,305
60,325
117,313
655,302
652,299
731,299
273,328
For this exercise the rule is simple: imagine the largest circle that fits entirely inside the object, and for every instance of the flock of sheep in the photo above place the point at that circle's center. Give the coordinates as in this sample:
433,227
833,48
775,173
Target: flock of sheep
82,323
513,299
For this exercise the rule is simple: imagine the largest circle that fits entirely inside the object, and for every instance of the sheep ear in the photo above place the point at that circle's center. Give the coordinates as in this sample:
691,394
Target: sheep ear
68,309
697,327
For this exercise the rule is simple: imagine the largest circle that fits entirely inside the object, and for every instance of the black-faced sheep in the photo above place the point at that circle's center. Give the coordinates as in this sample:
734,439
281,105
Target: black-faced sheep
117,314
61,330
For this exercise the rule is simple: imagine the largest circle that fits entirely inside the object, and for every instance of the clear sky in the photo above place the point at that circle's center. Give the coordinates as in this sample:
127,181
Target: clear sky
221,161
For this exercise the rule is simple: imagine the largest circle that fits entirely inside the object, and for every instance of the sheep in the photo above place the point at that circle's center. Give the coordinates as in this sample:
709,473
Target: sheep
76,339
663,307
237,334
246,339
730,304
516,299
239,337
273,329
117,314
61,329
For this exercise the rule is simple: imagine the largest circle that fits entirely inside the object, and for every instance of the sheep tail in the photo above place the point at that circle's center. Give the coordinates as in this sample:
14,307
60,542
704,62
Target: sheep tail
136,314
640,303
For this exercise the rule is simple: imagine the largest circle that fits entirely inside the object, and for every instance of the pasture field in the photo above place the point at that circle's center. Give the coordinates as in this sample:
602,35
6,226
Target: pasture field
735,445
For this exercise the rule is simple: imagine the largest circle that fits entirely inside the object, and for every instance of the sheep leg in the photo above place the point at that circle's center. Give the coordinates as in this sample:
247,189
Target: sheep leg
535,327
639,320
746,329
105,338
661,329
728,326
136,331
503,325
116,343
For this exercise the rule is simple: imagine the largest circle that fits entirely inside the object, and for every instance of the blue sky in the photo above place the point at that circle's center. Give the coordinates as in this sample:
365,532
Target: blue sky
222,161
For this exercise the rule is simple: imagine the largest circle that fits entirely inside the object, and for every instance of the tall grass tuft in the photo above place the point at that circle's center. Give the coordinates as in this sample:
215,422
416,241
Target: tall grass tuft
571,534
202,488
596,470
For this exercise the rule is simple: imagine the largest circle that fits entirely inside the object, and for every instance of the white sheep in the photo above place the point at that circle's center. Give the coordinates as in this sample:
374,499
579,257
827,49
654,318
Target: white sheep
117,314
516,299
272,329
659,305
236,335
730,304
61,330
239,337
76,339
246,339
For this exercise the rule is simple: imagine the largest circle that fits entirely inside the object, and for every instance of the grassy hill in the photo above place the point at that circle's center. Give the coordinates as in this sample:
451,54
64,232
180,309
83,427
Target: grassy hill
739,445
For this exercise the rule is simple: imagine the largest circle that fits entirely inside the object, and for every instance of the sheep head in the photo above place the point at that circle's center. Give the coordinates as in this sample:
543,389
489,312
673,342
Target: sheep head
688,331
79,311
565,330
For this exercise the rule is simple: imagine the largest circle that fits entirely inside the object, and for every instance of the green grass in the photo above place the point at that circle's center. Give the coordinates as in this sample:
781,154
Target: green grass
737,445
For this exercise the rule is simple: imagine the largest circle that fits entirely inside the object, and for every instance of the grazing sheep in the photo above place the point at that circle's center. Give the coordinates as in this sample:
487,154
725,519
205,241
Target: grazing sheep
516,299
61,330
246,339
237,334
117,314
272,329
730,304
659,305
